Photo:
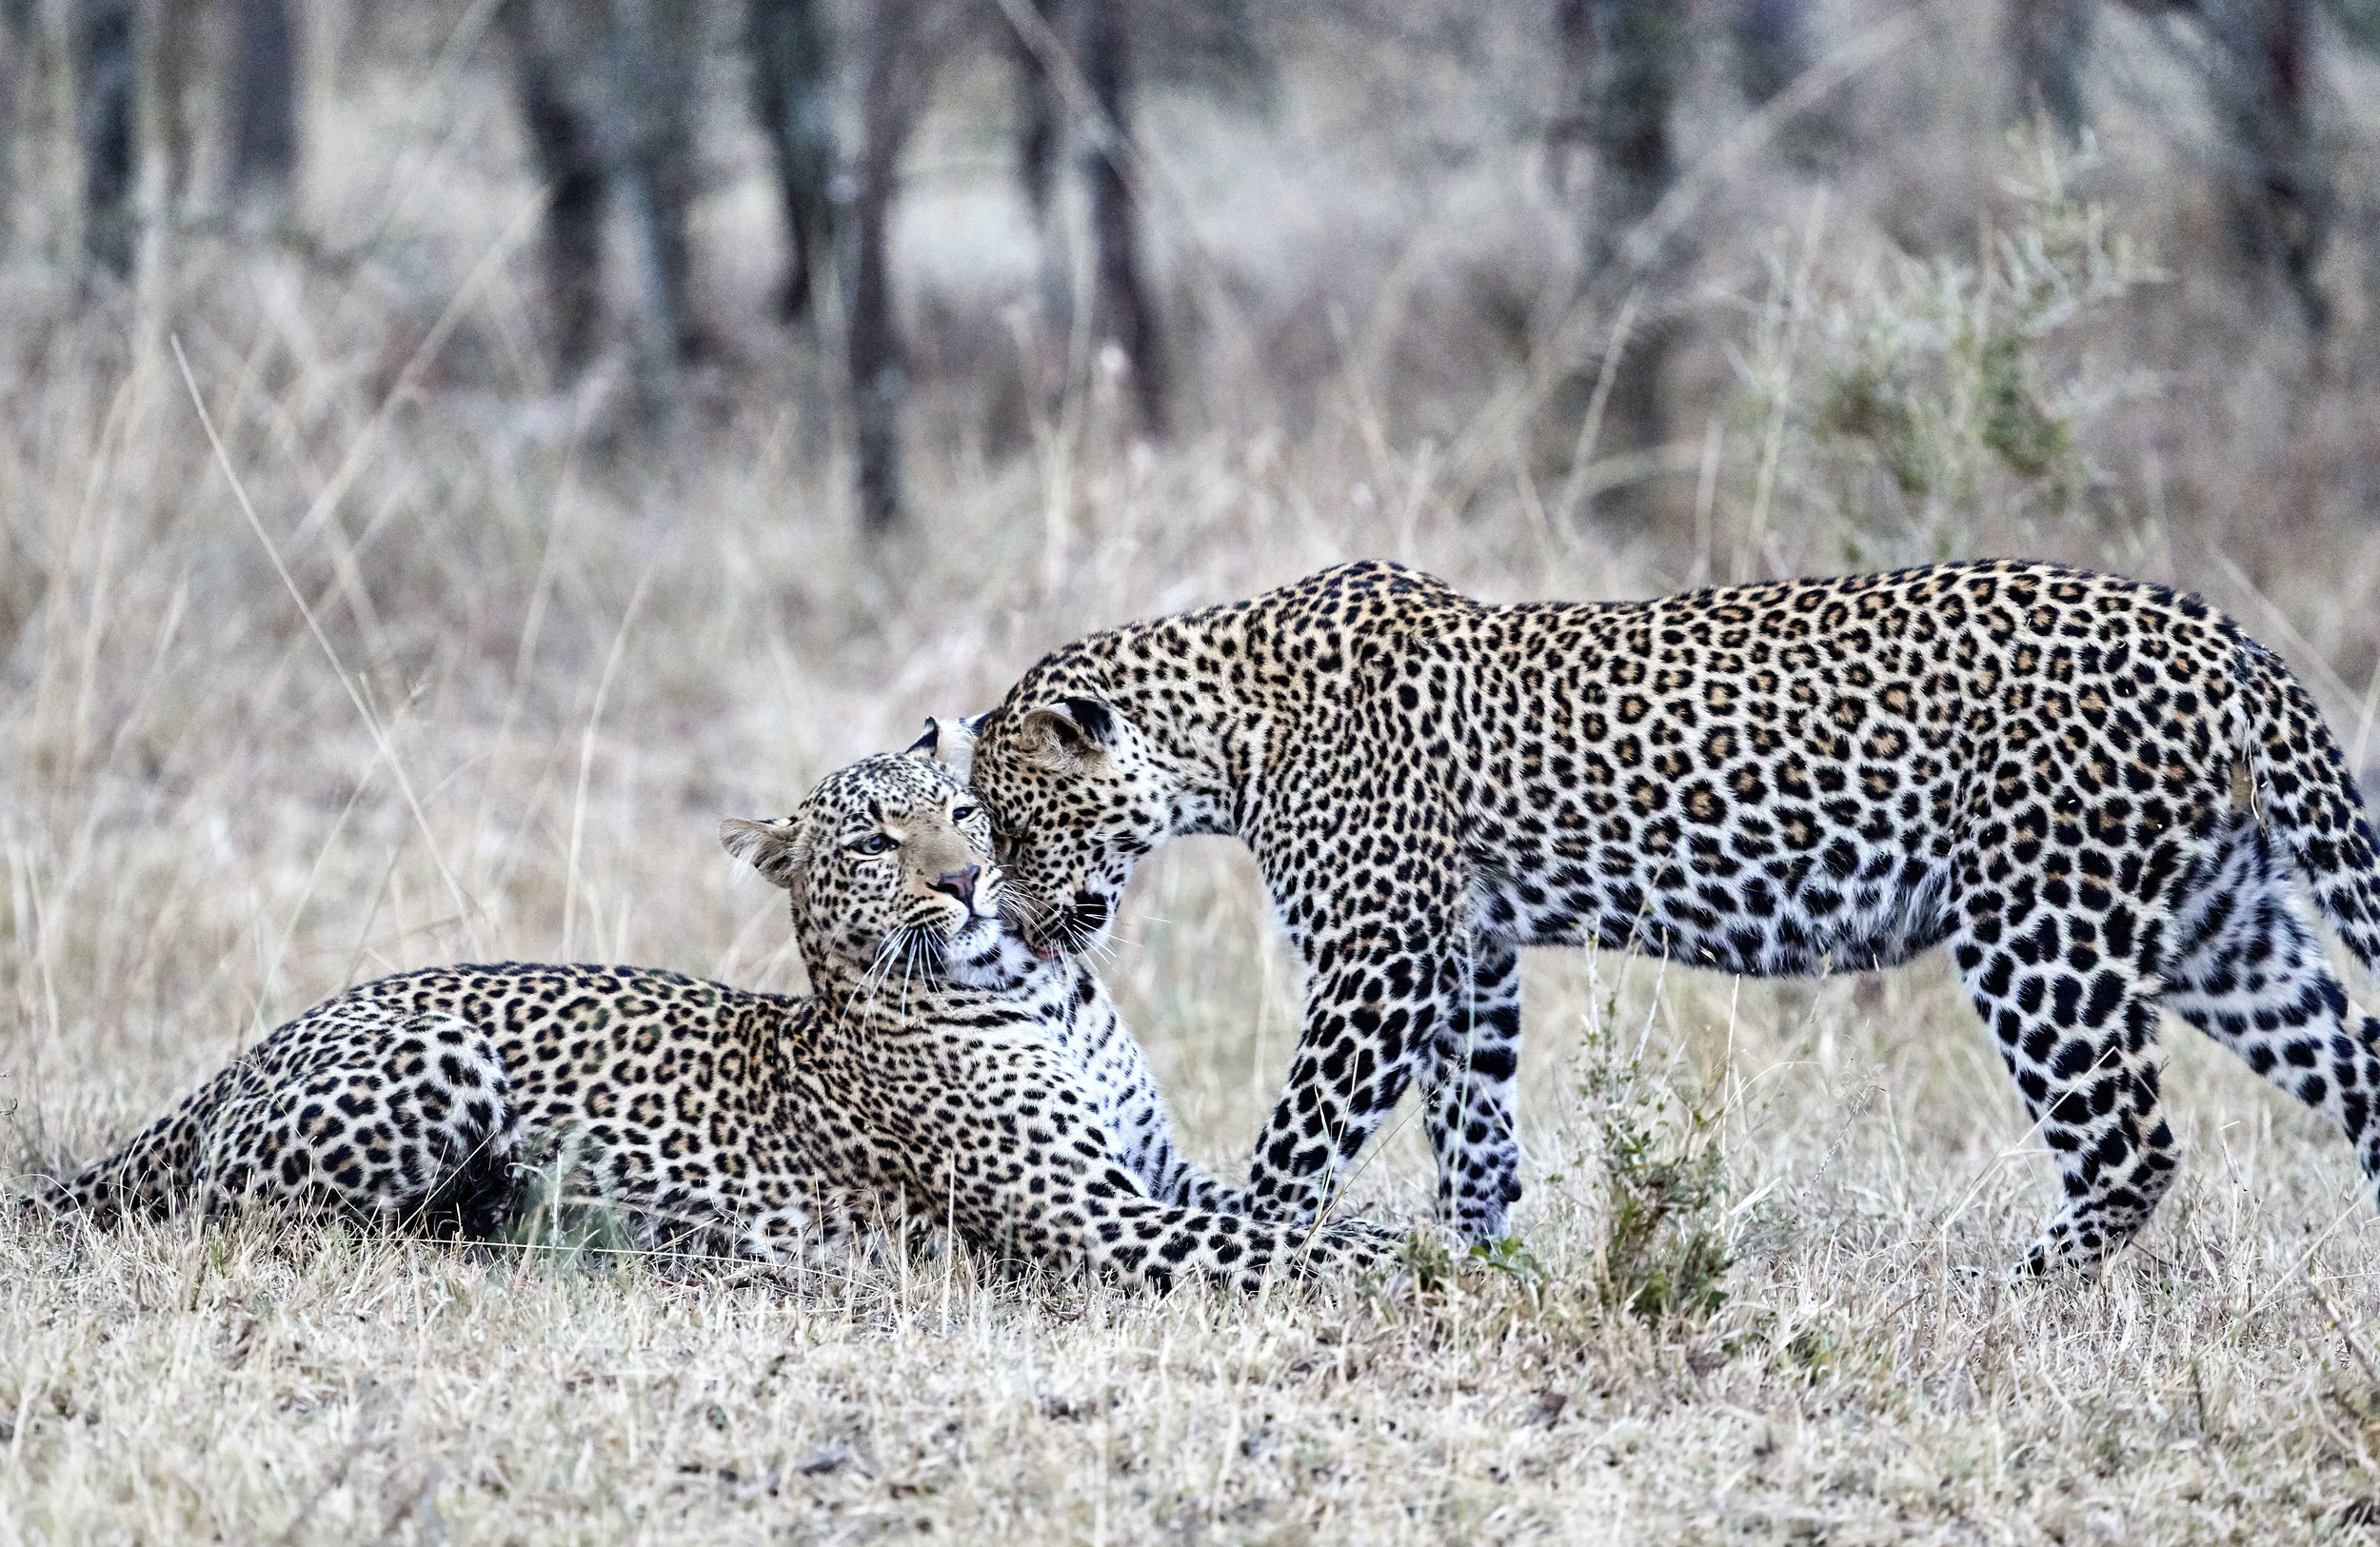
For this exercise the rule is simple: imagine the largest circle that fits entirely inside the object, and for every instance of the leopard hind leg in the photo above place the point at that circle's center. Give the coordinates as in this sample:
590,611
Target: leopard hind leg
149,1175
2248,970
473,1195
2074,1016
1468,1077
455,1127
406,1121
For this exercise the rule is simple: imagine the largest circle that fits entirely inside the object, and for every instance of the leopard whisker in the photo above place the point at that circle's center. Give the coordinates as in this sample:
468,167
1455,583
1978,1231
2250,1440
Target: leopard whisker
871,981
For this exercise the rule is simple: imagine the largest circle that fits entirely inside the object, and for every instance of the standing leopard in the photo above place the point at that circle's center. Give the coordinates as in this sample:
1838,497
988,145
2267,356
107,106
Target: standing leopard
2093,791
939,1070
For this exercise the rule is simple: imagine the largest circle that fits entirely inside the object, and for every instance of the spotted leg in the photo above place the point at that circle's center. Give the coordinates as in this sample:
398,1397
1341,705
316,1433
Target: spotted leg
406,1120
2075,1020
1083,1207
414,1123
2249,972
1375,1006
1467,1094
1135,1112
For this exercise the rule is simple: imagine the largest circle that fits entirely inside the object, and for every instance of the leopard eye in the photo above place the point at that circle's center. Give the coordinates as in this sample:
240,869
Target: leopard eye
874,843
961,813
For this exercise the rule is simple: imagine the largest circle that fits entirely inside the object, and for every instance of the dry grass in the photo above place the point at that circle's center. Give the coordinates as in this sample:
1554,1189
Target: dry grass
550,658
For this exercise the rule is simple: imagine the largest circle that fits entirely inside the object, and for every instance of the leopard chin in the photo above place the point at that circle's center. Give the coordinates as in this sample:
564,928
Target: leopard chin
984,953
1072,928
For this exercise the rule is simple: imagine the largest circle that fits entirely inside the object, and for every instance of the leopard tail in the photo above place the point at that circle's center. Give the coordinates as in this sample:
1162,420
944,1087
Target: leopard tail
2295,778
147,1176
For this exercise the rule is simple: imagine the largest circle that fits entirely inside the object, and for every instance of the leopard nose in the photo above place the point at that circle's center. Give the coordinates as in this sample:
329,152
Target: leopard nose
959,884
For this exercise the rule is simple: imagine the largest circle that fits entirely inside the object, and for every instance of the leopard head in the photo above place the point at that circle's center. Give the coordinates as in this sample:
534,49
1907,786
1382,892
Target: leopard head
1077,797
890,870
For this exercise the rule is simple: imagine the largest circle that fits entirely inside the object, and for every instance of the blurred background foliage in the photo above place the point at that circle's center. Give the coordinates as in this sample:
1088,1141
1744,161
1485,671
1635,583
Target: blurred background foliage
1588,241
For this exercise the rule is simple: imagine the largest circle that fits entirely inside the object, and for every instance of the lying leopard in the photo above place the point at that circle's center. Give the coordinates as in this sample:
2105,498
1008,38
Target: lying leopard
940,1070
2094,792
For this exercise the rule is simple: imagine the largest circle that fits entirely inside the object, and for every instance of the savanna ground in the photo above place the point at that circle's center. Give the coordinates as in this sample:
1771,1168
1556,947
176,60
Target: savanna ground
1762,1290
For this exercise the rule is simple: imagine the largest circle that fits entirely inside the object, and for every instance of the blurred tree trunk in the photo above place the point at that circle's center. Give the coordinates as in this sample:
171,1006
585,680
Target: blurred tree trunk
1121,308
106,128
1635,55
261,102
1036,32
2261,83
1038,108
20,22
894,71
550,61
2260,76
167,82
650,57
791,85
1574,108
1773,47
1630,59
607,91
2049,43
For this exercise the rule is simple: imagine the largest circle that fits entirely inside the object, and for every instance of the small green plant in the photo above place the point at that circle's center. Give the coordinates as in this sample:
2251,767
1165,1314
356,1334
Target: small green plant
1665,1249
1510,1257
1436,1266
1809,1353
555,1220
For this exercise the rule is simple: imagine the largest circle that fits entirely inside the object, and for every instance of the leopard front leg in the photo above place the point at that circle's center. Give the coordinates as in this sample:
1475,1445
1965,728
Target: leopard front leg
1068,1196
1089,1212
1136,1115
1467,1093
1376,1001
1141,1241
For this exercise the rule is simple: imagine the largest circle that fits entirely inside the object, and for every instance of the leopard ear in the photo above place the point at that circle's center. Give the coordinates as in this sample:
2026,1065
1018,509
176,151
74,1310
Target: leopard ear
773,848
950,742
1064,735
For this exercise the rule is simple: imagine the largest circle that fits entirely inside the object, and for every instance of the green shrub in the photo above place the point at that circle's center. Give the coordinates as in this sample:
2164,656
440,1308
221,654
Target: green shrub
1663,1250
1907,405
